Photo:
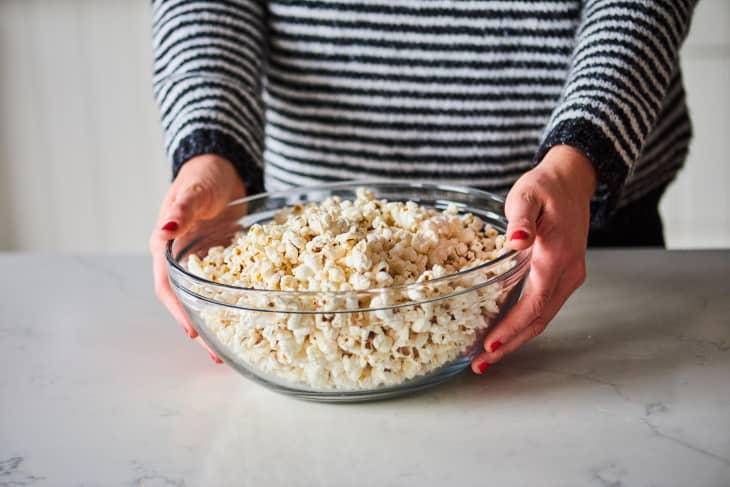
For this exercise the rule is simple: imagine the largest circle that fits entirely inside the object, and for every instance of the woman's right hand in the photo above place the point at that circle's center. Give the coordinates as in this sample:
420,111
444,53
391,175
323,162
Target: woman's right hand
203,187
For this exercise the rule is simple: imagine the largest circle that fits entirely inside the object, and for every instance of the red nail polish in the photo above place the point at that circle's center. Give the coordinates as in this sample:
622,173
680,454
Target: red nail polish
215,359
519,235
483,366
170,226
495,346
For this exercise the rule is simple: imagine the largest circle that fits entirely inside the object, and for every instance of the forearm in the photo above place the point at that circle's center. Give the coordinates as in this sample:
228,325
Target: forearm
208,62
625,55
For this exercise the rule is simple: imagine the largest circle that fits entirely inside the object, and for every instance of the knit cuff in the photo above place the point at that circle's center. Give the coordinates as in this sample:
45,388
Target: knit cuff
207,141
611,170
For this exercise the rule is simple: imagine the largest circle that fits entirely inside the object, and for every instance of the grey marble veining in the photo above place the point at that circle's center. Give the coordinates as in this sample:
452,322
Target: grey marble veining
630,386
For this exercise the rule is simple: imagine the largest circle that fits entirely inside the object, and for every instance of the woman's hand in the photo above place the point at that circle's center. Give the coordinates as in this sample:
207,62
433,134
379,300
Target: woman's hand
202,189
548,208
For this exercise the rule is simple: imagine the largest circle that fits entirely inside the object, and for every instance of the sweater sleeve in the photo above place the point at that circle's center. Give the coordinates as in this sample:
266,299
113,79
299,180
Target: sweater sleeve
209,57
625,55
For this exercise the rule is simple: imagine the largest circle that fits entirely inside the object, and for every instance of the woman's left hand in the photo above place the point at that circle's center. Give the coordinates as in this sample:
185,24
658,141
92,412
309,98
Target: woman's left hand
548,208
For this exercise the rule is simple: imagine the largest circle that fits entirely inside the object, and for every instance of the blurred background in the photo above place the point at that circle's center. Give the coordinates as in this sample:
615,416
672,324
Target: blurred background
82,167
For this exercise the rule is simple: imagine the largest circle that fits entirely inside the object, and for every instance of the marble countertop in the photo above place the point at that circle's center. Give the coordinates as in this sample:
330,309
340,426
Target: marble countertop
629,386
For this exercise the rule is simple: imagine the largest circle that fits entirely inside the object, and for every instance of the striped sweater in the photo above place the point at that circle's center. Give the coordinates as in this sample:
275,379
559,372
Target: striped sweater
469,92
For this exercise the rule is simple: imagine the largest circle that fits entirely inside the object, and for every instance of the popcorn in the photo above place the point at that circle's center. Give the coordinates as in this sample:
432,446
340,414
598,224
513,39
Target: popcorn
412,325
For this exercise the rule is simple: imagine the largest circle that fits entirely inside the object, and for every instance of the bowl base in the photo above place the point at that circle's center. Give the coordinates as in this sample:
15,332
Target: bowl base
415,385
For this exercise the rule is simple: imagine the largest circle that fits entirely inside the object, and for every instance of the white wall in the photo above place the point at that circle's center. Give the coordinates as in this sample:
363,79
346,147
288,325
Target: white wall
696,208
82,166
81,161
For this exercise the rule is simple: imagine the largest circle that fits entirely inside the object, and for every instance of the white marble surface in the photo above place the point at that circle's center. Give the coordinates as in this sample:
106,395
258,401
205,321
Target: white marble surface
630,386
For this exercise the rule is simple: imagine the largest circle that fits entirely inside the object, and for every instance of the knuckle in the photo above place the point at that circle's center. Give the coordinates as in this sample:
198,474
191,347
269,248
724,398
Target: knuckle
512,329
521,197
550,230
197,194
528,196
197,189
538,303
537,327
521,192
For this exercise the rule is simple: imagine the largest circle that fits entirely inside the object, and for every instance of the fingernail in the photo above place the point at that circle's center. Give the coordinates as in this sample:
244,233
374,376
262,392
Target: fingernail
519,235
215,359
170,226
495,346
482,367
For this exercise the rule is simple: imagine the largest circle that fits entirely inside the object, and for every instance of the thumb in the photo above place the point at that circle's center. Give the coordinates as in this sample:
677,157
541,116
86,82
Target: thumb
189,204
522,208
201,190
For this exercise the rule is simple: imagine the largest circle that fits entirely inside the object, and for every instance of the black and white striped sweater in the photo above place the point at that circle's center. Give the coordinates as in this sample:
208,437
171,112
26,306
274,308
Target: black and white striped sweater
470,92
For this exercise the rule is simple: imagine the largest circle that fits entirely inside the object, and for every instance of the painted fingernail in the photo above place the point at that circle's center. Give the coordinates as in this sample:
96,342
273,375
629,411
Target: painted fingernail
519,235
495,346
482,367
170,226
215,359
188,331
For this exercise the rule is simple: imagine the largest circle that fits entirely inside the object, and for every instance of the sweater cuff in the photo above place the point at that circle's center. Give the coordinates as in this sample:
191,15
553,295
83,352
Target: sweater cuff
206,141
611,170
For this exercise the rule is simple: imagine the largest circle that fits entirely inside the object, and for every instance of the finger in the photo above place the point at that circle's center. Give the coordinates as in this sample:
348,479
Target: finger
164,227
166,295
189,204
532,330
537,297
169,299
522,209
157,246
541,284
212,354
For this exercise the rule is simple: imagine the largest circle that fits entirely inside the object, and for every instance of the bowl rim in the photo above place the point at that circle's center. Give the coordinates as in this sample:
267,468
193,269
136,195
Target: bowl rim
519,254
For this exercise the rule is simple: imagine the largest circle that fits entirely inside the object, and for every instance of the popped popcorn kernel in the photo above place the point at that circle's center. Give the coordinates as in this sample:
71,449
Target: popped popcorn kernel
399,248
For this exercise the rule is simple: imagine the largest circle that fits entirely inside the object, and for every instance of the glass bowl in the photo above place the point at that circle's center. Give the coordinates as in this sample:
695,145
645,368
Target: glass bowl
347,346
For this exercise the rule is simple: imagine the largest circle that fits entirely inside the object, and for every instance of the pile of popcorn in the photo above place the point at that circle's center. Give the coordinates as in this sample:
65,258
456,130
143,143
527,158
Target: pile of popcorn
405,323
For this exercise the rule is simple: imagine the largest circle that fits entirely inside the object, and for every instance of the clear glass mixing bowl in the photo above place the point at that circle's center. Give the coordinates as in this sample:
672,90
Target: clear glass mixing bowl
435,327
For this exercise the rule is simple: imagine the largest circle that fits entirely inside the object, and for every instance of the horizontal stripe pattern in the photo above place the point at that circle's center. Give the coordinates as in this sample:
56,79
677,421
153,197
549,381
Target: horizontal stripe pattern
625,34
465,92
208,70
